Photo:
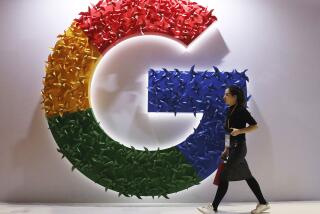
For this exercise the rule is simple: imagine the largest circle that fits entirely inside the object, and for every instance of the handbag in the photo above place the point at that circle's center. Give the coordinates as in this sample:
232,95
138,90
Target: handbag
216,179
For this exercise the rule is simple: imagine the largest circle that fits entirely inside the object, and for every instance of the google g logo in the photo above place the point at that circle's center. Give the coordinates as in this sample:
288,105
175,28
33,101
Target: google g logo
66,98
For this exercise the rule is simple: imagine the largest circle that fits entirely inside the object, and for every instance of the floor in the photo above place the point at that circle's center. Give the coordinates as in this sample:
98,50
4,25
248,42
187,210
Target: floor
311,207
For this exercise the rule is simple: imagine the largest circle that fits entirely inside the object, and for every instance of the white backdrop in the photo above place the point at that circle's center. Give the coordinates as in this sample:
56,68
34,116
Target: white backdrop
277,40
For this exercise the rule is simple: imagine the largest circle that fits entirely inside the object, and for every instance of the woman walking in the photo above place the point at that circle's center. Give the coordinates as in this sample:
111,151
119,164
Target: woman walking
236,167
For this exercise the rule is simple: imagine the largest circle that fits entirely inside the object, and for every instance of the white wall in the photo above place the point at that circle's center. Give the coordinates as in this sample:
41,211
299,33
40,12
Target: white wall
277,40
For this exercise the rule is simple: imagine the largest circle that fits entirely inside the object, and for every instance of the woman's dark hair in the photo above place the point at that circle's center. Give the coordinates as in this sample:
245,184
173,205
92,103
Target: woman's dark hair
235,90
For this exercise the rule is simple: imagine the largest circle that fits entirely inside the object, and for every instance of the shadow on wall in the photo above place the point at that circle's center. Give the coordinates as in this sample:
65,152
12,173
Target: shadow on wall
260,151
37,174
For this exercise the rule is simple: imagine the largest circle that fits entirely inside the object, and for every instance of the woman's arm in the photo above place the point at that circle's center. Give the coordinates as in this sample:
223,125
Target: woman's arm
250,128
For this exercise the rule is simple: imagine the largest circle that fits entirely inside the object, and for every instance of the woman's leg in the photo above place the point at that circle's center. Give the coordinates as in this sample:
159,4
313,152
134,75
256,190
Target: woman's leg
254,186
221,191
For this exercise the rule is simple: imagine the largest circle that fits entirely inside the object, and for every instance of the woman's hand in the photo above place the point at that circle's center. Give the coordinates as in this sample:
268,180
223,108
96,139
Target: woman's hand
235,132
225,154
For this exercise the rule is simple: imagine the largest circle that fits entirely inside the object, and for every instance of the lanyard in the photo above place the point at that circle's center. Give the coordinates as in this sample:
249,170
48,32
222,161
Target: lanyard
230,115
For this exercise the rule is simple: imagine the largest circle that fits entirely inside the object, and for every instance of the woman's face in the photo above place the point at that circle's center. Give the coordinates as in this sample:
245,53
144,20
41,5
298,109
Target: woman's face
228,98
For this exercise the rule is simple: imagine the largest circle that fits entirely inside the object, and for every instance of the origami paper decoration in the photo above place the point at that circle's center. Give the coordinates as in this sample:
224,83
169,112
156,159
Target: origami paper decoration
203,93
79,137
